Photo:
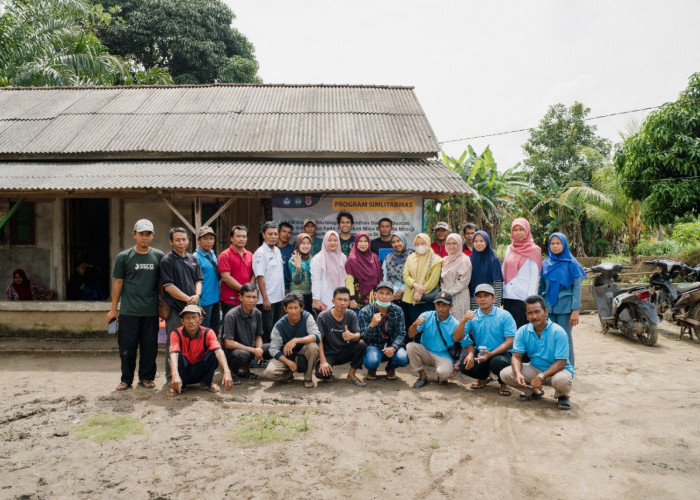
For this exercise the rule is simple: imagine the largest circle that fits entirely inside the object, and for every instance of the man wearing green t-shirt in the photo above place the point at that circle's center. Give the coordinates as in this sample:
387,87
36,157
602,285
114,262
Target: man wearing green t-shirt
136,274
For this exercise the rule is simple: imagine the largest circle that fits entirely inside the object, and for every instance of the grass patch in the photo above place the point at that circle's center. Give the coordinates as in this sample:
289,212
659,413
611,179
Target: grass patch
106,427
267,427
434,445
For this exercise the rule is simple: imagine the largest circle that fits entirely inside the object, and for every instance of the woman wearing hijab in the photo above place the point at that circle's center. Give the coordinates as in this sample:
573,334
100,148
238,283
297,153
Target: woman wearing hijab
456,274
300,269
327,271
421,274
392,268
23,288
364,272
486,268
561,286
521,270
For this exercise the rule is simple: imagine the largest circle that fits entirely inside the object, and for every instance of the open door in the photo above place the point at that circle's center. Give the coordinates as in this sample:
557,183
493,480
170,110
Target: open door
88,249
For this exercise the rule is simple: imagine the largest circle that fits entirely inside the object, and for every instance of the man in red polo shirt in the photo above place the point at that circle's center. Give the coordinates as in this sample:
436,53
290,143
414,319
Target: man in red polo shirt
236,268
194,353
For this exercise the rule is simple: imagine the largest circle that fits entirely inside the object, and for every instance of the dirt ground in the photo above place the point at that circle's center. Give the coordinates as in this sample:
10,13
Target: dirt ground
632,433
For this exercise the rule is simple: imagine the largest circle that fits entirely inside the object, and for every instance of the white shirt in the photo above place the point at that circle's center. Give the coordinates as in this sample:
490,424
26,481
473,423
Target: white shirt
267,262
525,283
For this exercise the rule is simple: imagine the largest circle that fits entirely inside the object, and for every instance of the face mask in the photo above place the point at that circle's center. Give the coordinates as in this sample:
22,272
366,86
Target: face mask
421,250
383,304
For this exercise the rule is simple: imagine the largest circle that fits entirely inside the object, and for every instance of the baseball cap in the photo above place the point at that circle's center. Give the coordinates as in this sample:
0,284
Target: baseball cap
311,220
441,225
384,284
204,230
445,297
191,309
484,287
143,225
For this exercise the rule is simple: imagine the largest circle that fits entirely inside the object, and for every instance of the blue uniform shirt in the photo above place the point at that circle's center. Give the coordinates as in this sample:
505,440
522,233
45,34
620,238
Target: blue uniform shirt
430,338
210,286
490,329
552,345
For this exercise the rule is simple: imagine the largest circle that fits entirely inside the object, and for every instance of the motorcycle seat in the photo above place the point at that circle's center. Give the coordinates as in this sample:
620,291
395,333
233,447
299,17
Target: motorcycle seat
685,287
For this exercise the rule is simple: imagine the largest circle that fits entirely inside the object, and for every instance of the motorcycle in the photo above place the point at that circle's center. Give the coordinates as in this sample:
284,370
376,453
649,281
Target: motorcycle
628,311
679,304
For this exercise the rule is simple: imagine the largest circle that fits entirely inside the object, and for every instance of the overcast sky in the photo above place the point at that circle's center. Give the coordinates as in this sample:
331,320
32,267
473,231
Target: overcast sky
486,66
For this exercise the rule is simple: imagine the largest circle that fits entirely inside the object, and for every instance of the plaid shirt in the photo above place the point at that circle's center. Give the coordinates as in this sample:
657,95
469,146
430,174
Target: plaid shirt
373,336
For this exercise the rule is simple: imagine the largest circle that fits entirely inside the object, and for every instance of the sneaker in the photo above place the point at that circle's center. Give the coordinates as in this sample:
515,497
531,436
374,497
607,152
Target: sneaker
421,382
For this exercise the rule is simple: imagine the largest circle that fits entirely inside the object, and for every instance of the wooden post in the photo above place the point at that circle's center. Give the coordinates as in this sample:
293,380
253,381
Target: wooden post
179,215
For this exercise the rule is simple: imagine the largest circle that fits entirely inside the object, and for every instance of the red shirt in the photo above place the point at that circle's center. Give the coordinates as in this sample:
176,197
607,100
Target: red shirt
466,251
440,251
194,348
241,269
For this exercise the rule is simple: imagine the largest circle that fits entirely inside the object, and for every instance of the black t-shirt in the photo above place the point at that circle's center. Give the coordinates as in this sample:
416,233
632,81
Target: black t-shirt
183,272
378,243
332,330
241,327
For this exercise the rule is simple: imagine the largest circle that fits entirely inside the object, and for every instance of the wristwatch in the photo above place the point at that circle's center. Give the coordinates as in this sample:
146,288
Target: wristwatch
541,375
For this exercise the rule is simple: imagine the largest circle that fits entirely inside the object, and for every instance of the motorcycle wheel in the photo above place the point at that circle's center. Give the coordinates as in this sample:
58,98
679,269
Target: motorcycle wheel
695,314
650,335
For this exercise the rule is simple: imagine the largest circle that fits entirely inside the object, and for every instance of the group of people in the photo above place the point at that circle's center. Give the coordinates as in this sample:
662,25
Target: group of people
317,303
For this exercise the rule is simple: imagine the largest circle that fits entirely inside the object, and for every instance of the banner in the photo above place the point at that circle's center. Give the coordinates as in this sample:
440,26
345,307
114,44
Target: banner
405,212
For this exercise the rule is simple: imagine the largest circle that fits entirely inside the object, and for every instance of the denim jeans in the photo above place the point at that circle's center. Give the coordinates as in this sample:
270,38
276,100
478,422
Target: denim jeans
374,356
200,372
212,317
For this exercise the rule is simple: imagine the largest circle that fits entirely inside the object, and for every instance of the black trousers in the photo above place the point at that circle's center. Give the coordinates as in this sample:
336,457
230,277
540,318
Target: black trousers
200,372
238,358
353,353
516,308
269,318
134,333
480,371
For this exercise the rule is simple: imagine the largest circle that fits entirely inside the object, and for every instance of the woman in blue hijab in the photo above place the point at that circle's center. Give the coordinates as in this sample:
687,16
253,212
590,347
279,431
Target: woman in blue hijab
486,268
561,286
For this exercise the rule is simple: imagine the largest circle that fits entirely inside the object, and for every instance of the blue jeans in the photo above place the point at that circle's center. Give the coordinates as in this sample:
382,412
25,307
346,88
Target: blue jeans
212,317
563,321
374,356
201,372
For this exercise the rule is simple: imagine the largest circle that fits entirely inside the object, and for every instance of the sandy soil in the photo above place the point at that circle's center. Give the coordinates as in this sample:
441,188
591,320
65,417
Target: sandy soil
633,433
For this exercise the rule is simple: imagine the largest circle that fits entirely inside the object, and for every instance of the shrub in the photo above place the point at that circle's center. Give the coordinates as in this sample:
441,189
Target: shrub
663,247
689,256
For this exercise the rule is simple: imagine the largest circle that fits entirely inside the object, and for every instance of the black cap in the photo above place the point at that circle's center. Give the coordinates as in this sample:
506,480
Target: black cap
445,297
384,284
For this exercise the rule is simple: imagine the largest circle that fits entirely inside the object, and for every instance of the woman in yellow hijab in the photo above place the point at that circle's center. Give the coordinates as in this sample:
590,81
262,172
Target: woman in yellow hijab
421,274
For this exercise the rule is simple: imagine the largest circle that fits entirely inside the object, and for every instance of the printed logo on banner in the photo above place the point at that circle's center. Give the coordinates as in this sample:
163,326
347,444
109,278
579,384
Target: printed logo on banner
297,201
308,201
286,201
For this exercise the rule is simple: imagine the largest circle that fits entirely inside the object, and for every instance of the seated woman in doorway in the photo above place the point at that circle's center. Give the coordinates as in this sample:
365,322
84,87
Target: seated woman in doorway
23,288
421,274
327,272
364,272
300,269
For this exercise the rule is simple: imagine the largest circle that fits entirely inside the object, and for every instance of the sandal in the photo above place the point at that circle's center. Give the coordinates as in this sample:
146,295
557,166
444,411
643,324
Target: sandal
236,380
123,386
309,384
211,388
171,393
529,397
391,375
563,403
371,375
248,375
504,391
476,385
356,381
147,384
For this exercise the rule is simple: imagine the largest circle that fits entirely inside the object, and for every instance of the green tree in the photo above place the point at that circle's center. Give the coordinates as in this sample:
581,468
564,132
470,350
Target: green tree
660,164
193,39
46,43
553,150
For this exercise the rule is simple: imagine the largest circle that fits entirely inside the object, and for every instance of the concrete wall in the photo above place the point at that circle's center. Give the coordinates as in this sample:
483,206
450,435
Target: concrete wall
55,319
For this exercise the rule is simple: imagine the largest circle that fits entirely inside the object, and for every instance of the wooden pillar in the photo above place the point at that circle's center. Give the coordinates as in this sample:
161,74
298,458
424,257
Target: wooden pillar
58,249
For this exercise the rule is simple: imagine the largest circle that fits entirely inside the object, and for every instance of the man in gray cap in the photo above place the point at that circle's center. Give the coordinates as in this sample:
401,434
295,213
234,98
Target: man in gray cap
442,229
436,328
136,273
490,330
205,255
310,228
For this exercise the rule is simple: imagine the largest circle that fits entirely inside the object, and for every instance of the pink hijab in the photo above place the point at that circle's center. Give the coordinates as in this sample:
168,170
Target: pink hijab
458,261
333,263
364,266
520,251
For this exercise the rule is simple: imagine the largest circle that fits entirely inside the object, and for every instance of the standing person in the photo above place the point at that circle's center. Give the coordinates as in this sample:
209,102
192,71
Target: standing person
236,268
136,275
294,344
468,234
22,288
181,279
206,257
521,270
456,273
442,229
364,272
381,246
300,269
327,271
341,341
436,328
383,329
547,346
392,269
284,237
560,286
491,329
486,268
421,274
269,274
347,239
242,335
310,228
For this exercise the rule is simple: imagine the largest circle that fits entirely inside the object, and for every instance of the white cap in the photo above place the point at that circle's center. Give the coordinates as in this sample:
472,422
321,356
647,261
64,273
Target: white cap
143,225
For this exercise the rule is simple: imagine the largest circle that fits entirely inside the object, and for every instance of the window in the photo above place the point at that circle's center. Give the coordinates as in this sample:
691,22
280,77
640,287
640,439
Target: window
22,226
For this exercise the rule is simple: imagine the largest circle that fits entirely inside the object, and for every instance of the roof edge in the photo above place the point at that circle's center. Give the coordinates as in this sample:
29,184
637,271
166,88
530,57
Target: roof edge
289,85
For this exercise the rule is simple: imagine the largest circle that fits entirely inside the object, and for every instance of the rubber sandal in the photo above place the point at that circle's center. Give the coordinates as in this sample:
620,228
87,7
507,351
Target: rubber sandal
309,384
236,380
211,388
563,403
504,392
356,381
391,375
248,375
476,386
172,393
528,397
123,386
147,384
371,375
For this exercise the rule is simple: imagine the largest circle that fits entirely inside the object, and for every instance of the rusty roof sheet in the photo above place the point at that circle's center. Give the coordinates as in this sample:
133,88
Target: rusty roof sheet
428,177
309,121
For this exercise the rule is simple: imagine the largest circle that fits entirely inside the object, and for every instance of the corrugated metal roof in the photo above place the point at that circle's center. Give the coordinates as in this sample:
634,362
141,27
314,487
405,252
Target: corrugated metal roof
410,176
216,120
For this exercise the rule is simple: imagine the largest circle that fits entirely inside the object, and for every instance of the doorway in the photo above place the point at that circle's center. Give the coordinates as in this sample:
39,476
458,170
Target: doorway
88,249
